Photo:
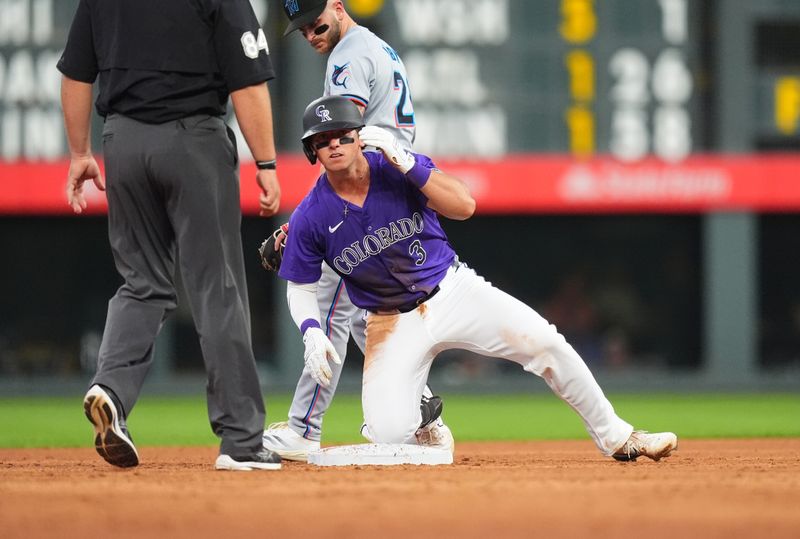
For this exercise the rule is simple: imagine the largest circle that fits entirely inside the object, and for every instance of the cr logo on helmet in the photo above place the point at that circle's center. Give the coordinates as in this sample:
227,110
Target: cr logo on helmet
323,113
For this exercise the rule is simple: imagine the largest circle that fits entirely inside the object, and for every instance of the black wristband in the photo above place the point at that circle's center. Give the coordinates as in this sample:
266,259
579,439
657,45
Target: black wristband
267,165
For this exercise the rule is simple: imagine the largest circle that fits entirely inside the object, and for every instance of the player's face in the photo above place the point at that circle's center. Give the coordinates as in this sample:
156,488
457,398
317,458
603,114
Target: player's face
324,33
336,150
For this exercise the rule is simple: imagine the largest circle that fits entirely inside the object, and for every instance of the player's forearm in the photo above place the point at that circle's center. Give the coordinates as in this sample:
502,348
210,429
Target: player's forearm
448,196
302,299
76,102
253,109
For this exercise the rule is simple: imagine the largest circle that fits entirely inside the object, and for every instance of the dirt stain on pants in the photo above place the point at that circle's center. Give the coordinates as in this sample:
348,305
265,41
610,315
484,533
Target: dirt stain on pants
379,328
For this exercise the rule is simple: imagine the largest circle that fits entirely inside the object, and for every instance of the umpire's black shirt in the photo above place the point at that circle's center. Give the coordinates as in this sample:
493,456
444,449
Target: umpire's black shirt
161,60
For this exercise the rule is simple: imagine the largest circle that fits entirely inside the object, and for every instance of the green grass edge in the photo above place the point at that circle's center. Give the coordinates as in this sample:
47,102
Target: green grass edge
27,422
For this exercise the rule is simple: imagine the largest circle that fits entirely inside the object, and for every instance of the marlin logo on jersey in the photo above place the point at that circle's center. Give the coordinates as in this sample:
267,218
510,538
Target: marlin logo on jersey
323,114
392,53
291,7
340,75
372,244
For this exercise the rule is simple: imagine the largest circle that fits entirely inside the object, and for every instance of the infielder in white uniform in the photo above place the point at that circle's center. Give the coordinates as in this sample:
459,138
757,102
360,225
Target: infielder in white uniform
397,263
365,69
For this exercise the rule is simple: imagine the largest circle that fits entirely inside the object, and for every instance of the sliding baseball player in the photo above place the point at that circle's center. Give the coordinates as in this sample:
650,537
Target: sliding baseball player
374,218
365,69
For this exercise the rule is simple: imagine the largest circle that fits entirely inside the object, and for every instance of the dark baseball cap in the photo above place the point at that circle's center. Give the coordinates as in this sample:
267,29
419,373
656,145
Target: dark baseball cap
302,12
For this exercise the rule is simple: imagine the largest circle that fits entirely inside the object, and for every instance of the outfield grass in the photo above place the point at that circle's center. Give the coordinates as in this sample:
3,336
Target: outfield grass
59,422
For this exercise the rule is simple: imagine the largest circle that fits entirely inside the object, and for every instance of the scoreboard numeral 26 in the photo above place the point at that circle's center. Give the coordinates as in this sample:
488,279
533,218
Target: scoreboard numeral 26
640,92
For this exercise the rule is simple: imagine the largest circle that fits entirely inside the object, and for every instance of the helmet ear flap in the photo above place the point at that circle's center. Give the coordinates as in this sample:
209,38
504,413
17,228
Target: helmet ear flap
310,154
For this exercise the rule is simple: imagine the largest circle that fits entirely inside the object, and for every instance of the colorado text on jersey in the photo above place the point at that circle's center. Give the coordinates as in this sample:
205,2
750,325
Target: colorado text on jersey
373,244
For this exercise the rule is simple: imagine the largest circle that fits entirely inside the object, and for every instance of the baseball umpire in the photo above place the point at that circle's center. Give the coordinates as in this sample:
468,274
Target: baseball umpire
166,70
365,69
394,256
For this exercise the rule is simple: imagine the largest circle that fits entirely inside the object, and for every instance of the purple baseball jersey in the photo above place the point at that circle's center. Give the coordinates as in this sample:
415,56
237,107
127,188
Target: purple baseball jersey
389,252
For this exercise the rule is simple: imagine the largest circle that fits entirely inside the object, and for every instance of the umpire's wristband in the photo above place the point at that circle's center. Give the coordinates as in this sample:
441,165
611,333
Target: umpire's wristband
419,175
272,164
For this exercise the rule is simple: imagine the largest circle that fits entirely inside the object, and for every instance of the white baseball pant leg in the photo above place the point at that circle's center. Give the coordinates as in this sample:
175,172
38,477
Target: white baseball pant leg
469,313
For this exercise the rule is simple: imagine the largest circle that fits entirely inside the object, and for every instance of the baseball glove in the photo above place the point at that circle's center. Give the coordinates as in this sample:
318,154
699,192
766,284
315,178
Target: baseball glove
271,250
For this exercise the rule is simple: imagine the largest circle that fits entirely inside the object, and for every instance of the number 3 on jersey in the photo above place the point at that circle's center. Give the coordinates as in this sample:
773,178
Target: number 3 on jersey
404,111
416,250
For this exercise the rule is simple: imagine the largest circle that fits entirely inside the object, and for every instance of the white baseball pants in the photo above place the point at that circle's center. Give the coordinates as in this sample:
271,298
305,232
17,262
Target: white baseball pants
469,313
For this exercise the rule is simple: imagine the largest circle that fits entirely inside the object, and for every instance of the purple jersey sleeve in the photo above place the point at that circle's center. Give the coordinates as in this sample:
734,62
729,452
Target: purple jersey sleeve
303,255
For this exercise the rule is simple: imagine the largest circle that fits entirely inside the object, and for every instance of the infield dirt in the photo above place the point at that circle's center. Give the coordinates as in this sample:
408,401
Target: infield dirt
708,488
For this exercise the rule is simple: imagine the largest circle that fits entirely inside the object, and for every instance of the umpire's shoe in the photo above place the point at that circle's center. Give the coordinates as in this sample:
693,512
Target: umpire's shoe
111,440
656,446
261,460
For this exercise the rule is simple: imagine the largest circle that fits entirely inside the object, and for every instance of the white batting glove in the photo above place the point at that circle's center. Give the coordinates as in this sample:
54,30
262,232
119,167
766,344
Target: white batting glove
372,135
318,350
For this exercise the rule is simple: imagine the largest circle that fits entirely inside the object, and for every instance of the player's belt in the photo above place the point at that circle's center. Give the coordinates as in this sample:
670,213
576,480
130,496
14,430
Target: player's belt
411,305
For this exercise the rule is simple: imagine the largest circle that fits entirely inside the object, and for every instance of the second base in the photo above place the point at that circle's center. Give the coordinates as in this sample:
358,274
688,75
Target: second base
379,455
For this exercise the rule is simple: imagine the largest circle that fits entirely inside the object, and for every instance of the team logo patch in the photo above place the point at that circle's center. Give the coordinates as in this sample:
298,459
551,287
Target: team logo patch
392,53
323,114
340,75
291,7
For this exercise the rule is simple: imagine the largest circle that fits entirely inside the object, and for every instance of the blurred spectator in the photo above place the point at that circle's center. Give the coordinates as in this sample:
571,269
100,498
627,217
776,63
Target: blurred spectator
623,315
572,311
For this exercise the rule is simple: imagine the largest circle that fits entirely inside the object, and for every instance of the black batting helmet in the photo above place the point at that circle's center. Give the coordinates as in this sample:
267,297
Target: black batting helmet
329,113
302,12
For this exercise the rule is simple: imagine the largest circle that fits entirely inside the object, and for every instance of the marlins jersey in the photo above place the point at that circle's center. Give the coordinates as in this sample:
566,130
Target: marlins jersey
390,252
368,71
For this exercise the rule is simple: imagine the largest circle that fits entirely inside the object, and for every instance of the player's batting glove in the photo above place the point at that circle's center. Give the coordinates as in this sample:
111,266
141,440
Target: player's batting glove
271,250
318,351
383,140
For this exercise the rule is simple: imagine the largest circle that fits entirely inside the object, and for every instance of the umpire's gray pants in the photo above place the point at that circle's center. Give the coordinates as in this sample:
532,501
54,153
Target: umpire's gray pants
174,187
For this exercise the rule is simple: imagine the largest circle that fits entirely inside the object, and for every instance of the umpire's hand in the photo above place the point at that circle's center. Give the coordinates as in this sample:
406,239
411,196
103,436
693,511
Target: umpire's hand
270,198
82,168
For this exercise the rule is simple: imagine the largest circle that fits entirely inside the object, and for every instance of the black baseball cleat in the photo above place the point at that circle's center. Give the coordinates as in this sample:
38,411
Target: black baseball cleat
111,439
262,460
431,409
